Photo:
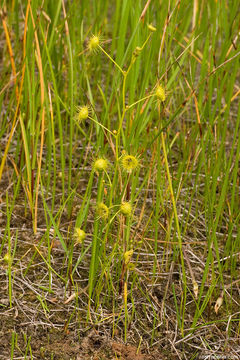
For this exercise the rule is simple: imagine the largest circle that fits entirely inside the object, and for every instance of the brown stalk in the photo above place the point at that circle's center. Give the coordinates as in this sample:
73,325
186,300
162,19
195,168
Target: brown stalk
39,63
3,16
19,96
145,10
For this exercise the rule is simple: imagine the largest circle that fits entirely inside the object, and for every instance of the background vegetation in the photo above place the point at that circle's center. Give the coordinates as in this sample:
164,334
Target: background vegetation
119,170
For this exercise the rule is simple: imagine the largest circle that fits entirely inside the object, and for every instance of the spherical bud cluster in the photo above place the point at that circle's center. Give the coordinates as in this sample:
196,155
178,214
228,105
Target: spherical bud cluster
82,113
100,165
127,256
7,258
160,93
102,210
93,43
126,208
129,162
79,235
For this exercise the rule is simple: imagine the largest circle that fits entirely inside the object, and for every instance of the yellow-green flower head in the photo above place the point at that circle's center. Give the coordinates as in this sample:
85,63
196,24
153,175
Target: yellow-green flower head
126,208
127,256
93,43
79,235
102,210
129,162
100,165
160,93
151,28
137,51
82,113
7,258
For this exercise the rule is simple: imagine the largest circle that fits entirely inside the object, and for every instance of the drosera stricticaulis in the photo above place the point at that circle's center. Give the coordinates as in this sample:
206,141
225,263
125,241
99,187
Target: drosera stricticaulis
100,164
79,235
160,93
102,211
93,43
126,208
184,187
129,162
82,113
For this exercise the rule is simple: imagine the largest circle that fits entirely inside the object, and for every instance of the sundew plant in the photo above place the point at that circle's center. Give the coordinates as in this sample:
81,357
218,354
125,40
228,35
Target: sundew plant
119,175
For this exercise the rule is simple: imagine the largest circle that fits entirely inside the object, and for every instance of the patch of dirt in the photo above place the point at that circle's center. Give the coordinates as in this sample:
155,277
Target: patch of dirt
129,352
50,344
